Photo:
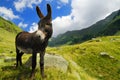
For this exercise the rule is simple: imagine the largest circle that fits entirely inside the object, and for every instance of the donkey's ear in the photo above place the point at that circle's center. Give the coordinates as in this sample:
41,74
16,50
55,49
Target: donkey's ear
39,12
49,16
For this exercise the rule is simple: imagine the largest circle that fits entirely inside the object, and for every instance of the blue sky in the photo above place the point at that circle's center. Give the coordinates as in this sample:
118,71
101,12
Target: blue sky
67,15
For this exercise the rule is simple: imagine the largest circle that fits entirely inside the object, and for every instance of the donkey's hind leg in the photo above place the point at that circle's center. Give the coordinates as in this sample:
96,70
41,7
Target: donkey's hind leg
18,57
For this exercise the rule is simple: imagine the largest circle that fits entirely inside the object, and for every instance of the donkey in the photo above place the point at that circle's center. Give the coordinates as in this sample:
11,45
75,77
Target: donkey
35,42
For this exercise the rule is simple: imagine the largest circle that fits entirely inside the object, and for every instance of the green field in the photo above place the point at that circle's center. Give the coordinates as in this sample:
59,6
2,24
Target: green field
96,59
85,60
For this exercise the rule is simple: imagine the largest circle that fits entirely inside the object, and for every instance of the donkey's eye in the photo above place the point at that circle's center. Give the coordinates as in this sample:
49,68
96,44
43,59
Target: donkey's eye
48,24
46,30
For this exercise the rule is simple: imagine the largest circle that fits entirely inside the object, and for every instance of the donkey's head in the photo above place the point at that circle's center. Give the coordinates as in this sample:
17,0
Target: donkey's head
45,23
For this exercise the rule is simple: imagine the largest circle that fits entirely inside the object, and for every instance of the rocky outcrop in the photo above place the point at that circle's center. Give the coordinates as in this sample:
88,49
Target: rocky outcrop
51,61
9,59
105,54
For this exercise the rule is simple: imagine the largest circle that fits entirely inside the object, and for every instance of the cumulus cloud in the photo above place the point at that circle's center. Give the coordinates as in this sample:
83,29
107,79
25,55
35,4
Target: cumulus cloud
8,13
33,27
21,4
83,14
22,25
61,3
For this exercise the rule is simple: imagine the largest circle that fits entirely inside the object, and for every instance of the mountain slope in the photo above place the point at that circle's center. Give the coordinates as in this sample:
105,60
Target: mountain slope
9,26
91,60
113,27
96,57
101,28
8,31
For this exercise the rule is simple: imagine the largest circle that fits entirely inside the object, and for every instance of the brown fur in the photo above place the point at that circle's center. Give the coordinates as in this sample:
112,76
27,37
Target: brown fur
35,42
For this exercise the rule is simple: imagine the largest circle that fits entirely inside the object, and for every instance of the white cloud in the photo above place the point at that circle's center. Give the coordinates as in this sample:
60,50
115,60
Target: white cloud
7,13
22,25
21,4
33,27
83,14
61,3
64,1
58,7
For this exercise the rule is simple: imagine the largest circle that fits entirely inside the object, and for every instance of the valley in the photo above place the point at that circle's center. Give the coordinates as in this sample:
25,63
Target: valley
94,58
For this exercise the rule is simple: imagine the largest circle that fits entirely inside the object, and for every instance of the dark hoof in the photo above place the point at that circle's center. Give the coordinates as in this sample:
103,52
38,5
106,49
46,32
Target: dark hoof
32,75
44,76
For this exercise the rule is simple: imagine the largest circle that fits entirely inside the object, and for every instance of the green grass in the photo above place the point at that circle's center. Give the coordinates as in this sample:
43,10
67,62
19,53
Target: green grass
87,56
9,26
6,41
85,61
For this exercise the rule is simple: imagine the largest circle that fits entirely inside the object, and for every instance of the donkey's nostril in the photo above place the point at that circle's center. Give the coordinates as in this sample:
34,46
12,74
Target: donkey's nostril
39,36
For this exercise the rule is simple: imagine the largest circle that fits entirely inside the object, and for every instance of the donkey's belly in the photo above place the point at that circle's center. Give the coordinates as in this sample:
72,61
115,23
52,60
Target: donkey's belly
27,50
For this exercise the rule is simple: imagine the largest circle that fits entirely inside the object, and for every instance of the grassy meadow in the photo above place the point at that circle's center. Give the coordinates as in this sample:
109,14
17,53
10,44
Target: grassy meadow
86,61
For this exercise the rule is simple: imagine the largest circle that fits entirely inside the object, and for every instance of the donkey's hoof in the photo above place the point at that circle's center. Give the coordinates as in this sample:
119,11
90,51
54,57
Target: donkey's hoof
32,75
44,76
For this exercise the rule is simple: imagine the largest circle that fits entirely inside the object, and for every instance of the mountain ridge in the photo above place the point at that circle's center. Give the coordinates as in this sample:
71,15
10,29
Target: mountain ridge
95,30
9,26
96,59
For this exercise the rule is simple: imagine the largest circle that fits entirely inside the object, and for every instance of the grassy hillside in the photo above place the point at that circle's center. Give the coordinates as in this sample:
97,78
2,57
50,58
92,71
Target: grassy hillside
6,41
96,59
8,26
113,27
8,31
99,58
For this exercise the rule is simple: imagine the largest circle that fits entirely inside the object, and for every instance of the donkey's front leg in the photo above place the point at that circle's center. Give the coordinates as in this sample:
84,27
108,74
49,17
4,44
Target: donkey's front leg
42,63
33,64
